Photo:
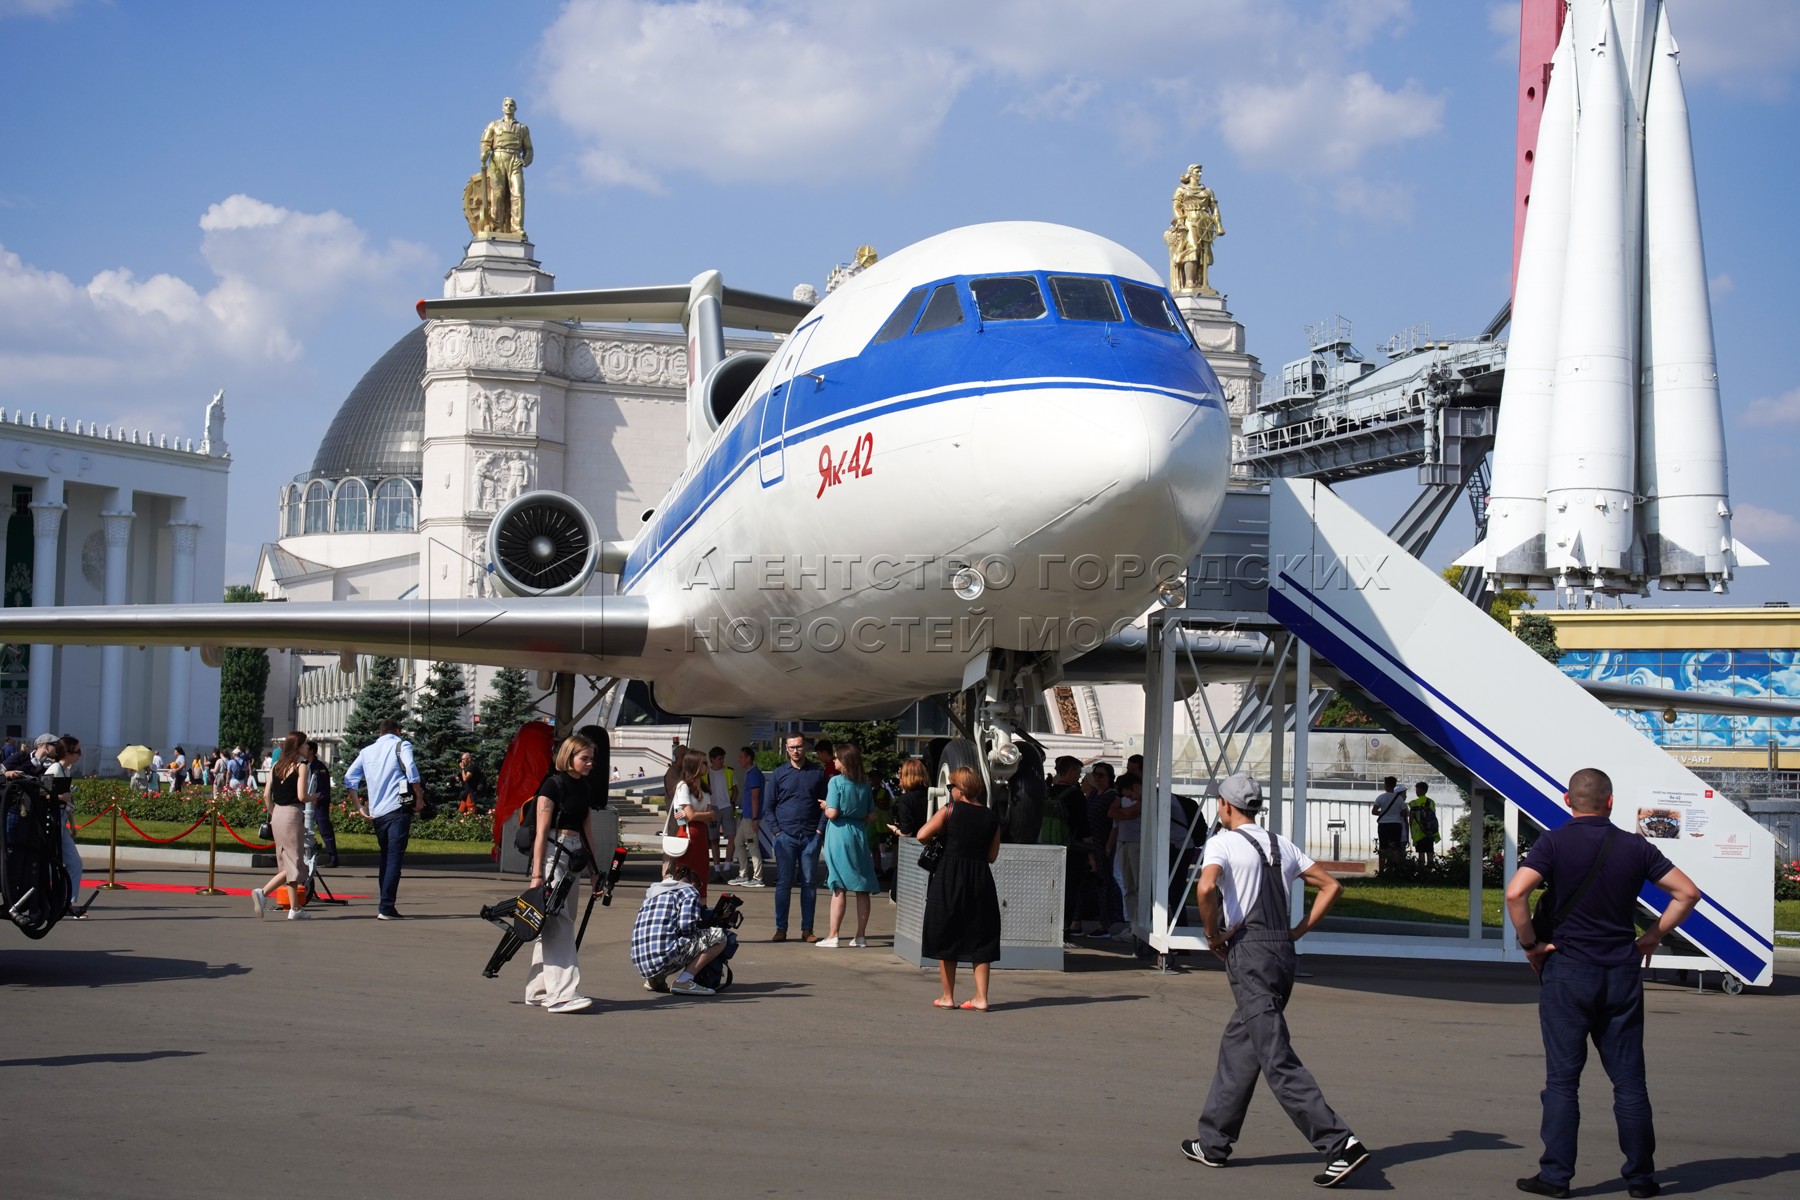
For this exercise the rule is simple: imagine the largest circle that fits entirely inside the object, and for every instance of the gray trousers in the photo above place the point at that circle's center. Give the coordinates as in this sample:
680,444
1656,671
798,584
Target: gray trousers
1261,970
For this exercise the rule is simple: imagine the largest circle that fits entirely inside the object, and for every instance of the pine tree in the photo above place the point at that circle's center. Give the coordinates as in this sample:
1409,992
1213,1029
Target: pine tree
879,742
243,680
507,706
379,700
438,734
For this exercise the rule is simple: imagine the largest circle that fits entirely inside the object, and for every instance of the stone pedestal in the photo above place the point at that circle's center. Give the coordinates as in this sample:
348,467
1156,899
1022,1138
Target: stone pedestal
1221,338
498,266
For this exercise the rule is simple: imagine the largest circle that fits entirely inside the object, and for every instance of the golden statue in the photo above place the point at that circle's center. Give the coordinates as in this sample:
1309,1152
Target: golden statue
494,198
1190,235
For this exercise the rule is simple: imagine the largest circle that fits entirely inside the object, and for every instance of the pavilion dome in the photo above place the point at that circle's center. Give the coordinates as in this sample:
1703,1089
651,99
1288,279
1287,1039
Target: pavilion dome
379,430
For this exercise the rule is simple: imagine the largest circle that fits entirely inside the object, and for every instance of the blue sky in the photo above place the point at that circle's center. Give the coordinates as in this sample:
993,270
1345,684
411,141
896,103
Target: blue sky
252,196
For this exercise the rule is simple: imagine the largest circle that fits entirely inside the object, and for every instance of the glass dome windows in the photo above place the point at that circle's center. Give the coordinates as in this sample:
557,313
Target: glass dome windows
350,510
318,507
394,506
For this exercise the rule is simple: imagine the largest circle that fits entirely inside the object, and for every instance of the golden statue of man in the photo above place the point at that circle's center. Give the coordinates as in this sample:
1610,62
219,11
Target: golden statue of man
505,153
1190,235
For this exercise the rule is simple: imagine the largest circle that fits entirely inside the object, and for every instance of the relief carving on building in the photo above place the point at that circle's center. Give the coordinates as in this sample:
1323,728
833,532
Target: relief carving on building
632,364
503,411
502,476
454,346
481,580
93,560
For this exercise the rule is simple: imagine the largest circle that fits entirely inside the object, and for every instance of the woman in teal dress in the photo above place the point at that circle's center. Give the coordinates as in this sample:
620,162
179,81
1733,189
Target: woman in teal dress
848,866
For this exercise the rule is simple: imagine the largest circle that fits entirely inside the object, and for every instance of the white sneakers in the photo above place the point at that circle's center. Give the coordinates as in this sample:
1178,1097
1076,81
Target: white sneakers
860,943
299,914
832,943
689,987
258,901
829,943
575,1005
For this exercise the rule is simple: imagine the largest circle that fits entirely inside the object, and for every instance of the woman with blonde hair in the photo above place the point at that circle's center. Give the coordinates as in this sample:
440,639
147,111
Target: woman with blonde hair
562,845
691,806
848,866
284,798
962,909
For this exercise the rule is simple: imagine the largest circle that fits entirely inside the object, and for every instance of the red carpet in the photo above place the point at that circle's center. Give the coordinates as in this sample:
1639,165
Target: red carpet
191,889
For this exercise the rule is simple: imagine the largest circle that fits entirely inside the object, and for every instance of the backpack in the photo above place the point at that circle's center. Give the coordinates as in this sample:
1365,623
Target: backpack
1053,830
1427,821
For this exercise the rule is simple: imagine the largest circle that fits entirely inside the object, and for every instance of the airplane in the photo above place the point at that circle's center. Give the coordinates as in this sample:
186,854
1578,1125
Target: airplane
967,464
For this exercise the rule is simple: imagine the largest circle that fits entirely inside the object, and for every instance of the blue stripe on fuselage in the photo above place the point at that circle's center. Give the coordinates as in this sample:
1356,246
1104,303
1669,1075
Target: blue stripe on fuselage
947,365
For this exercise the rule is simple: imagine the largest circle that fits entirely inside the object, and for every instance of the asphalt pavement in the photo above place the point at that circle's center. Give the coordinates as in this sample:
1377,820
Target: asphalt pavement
171,1045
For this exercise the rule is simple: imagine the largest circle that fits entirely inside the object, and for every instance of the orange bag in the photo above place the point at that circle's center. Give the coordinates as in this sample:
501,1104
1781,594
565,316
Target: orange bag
284,896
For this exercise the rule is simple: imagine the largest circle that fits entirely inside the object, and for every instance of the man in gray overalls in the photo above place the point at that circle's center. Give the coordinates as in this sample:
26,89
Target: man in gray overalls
1245,879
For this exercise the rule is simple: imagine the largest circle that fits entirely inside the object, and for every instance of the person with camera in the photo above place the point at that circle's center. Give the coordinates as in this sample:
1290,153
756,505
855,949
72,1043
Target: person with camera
562,846
671,940
318,804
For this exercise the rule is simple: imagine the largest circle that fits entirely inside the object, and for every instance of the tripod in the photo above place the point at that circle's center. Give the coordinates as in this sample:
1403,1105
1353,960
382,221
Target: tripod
319,890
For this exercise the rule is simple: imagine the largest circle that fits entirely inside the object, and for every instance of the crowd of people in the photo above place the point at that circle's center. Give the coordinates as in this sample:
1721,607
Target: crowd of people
826,818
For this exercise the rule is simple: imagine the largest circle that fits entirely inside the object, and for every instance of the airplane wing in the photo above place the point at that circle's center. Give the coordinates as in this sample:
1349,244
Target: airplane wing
662,305
579,634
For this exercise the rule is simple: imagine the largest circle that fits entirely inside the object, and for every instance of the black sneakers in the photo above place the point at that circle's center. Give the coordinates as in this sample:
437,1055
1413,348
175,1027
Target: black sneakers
1353,1155
1537,1185
1644,1190
1191,1148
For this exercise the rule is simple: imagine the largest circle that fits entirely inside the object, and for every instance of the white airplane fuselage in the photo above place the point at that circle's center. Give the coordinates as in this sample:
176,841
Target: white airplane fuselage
803,563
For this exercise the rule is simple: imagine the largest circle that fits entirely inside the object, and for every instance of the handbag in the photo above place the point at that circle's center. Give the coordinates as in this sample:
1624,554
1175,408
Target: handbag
674,843
265,832
1548,914
932,856
525,832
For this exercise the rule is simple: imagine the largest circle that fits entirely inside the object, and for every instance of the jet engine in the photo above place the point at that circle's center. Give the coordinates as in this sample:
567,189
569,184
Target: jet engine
726,384
543,544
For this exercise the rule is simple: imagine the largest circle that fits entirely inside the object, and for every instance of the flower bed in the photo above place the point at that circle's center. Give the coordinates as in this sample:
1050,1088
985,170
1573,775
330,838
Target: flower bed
243,810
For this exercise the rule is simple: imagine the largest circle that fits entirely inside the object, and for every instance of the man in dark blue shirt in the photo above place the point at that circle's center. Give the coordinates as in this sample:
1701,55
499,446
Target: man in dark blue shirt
1592,975
794,807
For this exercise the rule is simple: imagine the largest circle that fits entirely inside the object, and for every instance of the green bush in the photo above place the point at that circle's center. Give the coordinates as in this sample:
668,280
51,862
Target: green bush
243,811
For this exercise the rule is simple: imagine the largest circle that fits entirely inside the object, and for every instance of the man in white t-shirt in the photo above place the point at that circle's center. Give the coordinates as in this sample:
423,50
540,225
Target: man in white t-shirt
1390,825
1246,877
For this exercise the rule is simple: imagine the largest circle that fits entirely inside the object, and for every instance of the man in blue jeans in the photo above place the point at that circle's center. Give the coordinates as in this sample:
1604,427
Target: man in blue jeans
395,794
794,801
1591,969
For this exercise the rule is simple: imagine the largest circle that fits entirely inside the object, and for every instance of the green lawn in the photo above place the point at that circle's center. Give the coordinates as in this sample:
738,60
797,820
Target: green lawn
347,843
1787,916
1409,902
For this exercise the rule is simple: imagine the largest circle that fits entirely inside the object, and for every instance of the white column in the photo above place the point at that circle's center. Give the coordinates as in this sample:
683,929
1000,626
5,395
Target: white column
184,537
117,525
46,524
1302,781
1509,864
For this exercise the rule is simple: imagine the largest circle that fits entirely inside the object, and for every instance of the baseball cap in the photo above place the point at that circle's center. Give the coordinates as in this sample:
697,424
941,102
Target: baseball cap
44,739
1241,792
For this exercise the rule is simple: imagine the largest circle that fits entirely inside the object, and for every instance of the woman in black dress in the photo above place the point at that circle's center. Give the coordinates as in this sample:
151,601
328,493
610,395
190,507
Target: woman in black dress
962,910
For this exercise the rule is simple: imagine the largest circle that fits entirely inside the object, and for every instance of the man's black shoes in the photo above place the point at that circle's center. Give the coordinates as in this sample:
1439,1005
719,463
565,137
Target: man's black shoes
1353,1155
1537,1185
1644,1190
1191,1148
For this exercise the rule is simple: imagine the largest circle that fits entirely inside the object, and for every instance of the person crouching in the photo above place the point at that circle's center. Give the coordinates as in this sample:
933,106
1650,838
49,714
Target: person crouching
670,941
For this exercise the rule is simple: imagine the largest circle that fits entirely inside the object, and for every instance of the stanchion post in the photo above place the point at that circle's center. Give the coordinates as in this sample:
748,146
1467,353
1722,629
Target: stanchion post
212,857
112,883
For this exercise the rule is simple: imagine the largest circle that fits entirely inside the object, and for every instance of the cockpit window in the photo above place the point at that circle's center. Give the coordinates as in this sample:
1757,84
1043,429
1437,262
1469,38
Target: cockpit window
943,311
1150,308
897,325
1008,298
1079,298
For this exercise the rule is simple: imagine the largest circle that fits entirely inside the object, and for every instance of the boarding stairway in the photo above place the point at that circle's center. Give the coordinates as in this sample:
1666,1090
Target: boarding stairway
1461,691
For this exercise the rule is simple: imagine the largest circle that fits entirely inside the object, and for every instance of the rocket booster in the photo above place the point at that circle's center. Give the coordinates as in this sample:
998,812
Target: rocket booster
1609,459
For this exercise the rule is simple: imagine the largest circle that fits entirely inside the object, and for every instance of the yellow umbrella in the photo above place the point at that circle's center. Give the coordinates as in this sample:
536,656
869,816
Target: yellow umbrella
136,758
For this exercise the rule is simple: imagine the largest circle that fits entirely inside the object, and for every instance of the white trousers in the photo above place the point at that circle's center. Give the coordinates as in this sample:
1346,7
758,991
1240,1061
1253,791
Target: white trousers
749,854
555,976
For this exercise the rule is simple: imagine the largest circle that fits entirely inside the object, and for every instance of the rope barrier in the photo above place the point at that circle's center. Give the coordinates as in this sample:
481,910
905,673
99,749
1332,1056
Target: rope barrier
162,841
97,816
247,845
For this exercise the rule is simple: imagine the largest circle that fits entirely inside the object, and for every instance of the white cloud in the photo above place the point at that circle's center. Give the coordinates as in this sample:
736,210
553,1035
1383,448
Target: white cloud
1750,47
1773,411
1752,524
35,8
743,91
277,272
1503,23
1720,286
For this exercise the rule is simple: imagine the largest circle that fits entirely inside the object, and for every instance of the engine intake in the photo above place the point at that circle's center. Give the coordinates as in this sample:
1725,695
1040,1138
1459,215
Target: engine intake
726,384
543,544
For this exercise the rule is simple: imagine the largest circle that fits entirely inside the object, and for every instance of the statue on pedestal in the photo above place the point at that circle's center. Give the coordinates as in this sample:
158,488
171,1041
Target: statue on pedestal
1190,235
494,198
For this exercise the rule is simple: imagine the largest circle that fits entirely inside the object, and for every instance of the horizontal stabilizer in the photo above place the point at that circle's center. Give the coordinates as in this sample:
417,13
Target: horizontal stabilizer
661,305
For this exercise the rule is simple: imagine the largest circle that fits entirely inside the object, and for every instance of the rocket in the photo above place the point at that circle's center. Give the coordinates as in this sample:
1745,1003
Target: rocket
1609,460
